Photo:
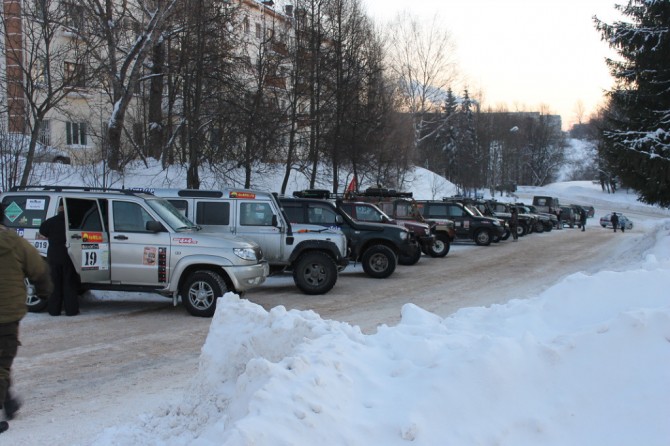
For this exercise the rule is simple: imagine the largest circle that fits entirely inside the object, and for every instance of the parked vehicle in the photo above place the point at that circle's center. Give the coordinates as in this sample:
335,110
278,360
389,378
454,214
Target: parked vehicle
547,204
549,220
606,222
370,213
469,224
130,241
498,209
543,221
402,207
567,216
313,254
377,246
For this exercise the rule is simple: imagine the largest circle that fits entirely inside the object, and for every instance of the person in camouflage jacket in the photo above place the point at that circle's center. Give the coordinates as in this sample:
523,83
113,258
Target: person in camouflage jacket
18,260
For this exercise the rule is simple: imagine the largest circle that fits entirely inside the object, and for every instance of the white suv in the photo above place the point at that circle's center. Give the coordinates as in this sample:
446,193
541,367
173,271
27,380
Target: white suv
129,241
313,254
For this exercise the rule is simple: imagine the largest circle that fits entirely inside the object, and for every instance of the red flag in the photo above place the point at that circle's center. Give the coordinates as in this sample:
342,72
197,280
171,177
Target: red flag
353,184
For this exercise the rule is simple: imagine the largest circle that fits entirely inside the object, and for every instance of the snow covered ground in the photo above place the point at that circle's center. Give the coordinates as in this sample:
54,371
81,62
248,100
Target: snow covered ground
587,362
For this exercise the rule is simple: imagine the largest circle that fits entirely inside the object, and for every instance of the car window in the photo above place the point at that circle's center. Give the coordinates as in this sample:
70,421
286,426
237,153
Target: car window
130,217
255,214
83,214
212,213
23,211
321,215
294,212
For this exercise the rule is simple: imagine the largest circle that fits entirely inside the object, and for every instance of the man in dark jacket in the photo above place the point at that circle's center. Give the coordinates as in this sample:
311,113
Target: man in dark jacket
615,221
18,260
63,274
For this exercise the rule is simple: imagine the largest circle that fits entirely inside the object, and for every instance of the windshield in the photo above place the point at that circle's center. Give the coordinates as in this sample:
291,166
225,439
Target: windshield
170,214
473,210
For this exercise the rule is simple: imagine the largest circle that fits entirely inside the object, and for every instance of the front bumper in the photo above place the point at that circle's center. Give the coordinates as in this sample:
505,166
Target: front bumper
246,277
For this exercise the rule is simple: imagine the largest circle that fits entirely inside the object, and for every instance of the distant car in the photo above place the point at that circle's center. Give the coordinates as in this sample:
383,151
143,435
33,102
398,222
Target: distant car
567,216
606,222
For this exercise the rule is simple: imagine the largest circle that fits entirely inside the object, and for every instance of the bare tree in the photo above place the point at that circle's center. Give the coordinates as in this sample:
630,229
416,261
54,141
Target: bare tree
422,58
47,66
122,35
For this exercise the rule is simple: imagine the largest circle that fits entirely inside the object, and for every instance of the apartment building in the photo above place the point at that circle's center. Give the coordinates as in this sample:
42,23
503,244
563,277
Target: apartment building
79,124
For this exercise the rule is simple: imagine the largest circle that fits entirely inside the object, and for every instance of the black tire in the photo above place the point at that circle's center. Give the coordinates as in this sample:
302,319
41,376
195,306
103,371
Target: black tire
412,259
506,234
33,303
440,247
379,261
539,227
548,227
315,272
521,230
483,237
200,292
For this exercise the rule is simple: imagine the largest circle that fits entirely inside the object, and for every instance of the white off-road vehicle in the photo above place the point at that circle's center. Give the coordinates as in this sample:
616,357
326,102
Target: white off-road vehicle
312,253
130,241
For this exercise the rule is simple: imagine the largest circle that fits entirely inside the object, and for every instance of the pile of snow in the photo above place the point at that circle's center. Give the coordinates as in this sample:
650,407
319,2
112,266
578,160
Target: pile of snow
586,362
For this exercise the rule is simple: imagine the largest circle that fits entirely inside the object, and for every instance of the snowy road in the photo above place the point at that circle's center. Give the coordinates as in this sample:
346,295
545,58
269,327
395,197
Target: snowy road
115,360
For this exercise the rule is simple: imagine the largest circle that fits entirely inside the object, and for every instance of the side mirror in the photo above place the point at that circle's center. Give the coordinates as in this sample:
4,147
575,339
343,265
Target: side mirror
339,220
154,226
275,221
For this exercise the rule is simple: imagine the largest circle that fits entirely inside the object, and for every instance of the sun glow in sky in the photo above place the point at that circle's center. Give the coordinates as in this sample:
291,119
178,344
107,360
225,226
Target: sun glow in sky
531,55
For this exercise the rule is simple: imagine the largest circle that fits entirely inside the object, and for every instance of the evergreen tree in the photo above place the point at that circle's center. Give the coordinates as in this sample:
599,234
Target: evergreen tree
636,138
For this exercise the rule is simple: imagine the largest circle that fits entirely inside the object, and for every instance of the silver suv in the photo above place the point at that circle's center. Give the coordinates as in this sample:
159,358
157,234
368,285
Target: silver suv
313,254
129,241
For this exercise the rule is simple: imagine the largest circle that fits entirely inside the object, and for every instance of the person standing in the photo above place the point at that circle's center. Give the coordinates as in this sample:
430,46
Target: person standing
18,260
63,274
615,220
582,218
514,223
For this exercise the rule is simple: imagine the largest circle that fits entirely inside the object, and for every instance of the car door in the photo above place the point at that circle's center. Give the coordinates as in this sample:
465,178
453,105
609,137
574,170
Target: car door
139,256
258,221
88,239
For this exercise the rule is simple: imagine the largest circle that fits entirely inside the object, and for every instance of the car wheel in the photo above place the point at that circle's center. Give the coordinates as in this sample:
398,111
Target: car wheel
506,234
315,273
483,237
440,247
539,227
548,227
412,259
200,291
521,230
379,261
34,303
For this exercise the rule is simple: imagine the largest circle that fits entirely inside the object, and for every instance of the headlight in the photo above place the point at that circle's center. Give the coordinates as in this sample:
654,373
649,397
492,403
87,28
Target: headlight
404,235
245,253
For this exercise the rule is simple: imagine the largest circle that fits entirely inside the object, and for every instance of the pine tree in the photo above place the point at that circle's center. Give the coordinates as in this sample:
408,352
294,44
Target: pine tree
636,133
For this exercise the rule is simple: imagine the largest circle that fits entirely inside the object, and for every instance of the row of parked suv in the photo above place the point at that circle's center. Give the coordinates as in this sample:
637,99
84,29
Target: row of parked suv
198,244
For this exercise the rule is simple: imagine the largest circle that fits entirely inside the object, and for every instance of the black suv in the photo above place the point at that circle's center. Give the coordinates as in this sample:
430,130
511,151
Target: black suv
469,223
377,246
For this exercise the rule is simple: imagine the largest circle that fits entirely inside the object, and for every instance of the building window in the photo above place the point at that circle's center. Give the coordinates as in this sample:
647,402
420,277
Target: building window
45,133
258,30
246,26
75,75
75,133
38,73
74,16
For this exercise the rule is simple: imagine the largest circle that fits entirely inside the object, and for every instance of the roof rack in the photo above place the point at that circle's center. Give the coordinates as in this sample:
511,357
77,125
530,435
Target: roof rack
75,188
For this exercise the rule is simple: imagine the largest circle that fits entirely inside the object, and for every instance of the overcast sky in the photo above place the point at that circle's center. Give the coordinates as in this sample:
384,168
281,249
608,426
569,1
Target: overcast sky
523,53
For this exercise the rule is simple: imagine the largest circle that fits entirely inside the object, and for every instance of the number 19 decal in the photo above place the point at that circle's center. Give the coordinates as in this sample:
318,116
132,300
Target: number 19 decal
94,256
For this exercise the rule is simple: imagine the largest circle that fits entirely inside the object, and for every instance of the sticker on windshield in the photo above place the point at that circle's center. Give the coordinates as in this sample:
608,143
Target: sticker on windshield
35,204
13,211
94,256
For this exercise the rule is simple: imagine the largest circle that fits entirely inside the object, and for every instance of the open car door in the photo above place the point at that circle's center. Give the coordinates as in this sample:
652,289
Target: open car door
87,238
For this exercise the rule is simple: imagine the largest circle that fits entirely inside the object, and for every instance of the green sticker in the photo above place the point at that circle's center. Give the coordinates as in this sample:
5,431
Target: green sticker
13,211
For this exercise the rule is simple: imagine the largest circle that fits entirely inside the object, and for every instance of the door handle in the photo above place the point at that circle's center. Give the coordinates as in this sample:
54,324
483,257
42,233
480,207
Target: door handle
121,237
76,236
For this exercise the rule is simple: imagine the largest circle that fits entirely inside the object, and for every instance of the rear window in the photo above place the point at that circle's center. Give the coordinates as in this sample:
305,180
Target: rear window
25,211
